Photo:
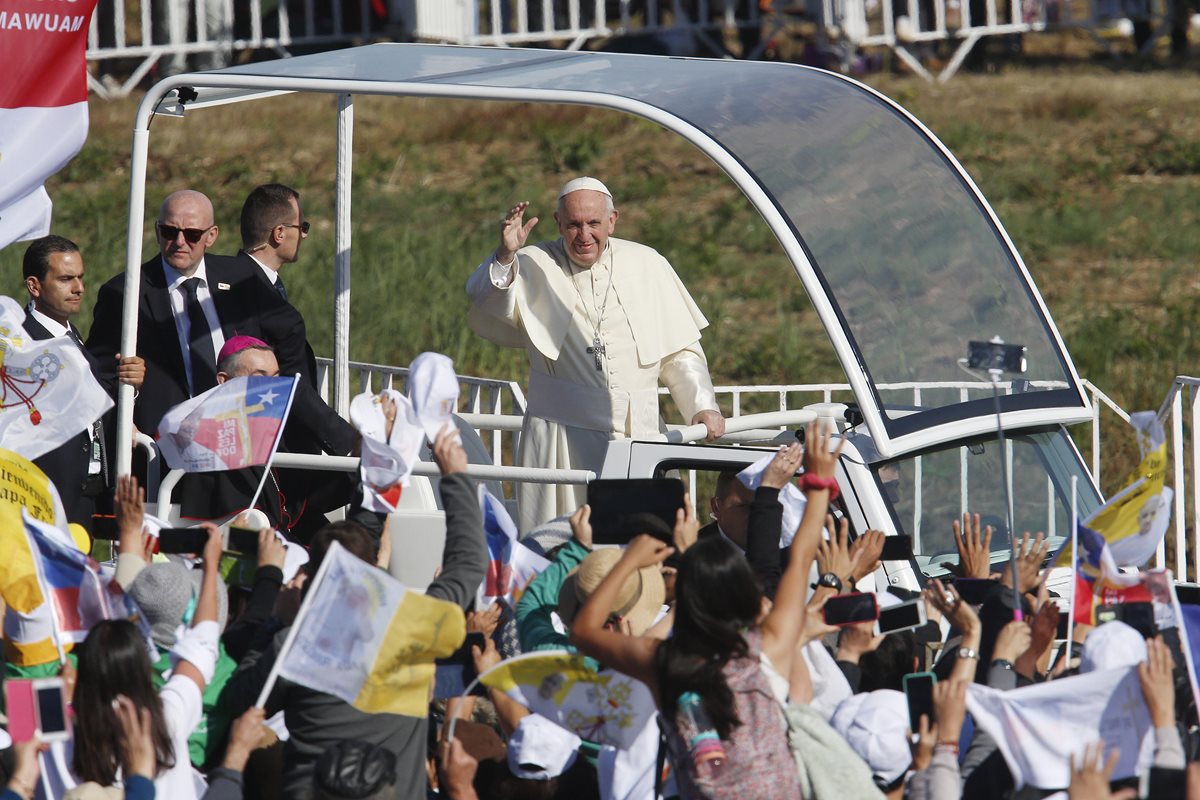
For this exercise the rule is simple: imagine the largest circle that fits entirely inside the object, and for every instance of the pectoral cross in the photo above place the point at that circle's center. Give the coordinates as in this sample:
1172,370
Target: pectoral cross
597,350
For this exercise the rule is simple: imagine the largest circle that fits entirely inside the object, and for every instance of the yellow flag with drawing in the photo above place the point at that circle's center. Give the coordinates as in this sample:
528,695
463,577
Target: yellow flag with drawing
1135,519
363,637
605,706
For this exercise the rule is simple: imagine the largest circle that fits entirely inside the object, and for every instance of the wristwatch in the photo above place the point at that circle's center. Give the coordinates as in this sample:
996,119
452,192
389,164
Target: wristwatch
830,580
966,652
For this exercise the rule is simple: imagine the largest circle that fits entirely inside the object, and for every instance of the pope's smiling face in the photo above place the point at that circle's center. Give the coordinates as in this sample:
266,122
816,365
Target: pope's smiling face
585,222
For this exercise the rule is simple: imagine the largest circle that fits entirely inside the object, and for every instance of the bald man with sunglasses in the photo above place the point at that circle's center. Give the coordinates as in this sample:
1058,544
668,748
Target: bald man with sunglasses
190,301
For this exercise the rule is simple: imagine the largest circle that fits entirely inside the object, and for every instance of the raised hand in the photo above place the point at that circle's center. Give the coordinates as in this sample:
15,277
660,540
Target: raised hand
1030,557
818,460
448,451
783,466
974,550
865,553
857,640
1012,642
271,551
129,503
950,708
833,554
514,232
646,551
687,527
137,744
581,525
485,622
1090,779
1157,677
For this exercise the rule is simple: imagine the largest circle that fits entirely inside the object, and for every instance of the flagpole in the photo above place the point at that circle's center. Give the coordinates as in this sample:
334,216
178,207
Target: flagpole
309,592
275,446
1074,564
47,598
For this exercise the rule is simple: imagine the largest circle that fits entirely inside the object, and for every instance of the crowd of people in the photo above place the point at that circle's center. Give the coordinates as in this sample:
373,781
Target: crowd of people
756,695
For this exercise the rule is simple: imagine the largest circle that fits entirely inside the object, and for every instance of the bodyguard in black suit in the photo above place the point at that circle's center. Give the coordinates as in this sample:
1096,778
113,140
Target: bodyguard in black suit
53,270
189,303
273,228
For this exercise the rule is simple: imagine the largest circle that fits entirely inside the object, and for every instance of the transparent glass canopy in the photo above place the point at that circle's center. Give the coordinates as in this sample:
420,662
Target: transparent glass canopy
901,256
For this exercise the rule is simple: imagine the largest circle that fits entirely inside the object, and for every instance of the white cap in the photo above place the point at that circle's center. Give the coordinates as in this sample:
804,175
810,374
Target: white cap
1112,645
579,184
875,725
539,750
433,390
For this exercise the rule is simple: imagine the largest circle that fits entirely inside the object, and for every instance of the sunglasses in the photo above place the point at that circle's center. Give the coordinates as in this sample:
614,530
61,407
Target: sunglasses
303,226
191,235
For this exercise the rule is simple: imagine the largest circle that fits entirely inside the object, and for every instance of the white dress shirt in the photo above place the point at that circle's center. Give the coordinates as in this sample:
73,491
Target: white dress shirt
272,275
53,326
183,325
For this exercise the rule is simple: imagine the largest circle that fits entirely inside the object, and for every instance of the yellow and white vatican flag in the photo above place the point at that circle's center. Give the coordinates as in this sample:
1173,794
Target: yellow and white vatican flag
362,637
43,106
48,394
605,706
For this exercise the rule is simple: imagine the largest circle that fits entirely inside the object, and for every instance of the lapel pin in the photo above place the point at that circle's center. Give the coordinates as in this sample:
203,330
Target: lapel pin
222,285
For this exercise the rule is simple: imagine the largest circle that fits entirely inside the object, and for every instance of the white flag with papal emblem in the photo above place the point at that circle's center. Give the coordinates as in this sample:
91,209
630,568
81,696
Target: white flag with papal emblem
48,394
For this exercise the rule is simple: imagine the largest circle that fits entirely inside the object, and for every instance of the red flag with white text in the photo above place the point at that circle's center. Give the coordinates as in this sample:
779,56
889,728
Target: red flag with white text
43,105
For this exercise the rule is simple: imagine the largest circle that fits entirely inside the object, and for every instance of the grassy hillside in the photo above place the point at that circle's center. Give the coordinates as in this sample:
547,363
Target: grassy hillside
1093,172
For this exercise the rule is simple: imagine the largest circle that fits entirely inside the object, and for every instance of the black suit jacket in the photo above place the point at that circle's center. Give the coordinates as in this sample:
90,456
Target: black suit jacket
243,308
67,466
313,427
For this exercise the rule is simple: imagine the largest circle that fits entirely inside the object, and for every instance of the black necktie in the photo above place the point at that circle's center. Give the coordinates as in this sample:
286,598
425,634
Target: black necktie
200,346
279,288
97,449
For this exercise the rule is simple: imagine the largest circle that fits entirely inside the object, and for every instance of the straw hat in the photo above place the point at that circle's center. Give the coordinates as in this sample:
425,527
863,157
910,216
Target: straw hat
638,602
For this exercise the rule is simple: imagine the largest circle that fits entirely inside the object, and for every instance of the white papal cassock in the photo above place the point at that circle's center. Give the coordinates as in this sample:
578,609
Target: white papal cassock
649,327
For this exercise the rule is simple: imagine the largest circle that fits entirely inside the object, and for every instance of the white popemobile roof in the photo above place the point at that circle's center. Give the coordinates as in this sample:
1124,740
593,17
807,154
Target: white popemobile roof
902,257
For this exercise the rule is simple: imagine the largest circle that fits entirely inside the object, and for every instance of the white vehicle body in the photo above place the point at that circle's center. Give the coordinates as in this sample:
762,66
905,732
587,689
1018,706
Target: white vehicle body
901,256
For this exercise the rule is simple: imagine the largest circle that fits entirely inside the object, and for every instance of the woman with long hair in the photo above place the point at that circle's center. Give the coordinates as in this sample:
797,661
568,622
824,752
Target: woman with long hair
114,670
724,650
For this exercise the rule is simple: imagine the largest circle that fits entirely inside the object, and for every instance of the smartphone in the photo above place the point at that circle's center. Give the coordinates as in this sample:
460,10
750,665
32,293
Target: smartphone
902,617
242,540
1064,625
918,688
1188,594
994,355
897,548
852,608
1139,616
475,640
622,509
974,590
37,709
182,540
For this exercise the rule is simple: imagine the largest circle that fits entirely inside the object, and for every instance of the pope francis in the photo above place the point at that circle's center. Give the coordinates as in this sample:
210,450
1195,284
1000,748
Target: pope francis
603,320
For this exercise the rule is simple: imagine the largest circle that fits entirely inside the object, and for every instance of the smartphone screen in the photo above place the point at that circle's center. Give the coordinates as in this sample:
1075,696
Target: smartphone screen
897,548
1064,625
622,509
1139,616
974,590
243,540
52,712
901,617
918,688
105,528
1188,594
848,609
182,540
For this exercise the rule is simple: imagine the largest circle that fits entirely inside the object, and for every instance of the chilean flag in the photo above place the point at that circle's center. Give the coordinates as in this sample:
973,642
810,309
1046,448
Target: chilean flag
1099,582
43,106
511,565
233,425
69,579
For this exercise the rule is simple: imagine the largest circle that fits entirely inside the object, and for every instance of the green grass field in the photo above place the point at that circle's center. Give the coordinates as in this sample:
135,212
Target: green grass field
1094,172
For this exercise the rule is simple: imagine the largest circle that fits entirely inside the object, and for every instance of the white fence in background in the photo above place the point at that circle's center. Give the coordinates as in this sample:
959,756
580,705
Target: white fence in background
167,32
518,22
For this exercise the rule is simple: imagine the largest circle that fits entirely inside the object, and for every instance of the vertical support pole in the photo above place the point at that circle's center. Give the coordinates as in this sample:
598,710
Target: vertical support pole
341,243
133,282
1177,446
1096,437
1195,472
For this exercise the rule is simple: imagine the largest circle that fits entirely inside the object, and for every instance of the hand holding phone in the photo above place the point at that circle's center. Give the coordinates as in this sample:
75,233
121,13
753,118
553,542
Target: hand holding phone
918,689
849,609
182,540
901,617
37,709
